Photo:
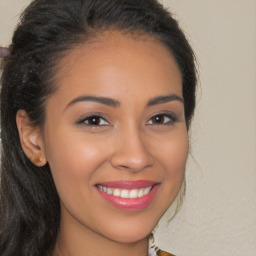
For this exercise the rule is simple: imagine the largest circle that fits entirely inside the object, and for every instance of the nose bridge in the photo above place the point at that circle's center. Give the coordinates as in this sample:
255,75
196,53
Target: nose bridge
131,151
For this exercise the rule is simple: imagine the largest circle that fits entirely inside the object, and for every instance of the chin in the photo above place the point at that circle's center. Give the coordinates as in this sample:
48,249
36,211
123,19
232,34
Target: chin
127,237
130,232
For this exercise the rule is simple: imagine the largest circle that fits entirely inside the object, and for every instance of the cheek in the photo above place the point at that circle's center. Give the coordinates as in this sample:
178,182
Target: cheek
73,161
178,153
174,152
173,156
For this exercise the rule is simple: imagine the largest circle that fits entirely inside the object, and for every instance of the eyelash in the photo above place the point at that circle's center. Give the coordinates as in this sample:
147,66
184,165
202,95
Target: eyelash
163,116
93,117
96,120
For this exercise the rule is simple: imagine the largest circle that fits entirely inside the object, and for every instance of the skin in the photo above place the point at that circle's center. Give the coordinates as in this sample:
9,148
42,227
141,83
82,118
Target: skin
128,143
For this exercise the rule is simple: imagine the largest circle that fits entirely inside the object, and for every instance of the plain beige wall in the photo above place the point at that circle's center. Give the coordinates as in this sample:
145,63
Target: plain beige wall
219,213
218,216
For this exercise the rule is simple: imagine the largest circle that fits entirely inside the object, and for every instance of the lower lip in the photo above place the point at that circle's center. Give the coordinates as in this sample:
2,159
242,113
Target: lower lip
130,204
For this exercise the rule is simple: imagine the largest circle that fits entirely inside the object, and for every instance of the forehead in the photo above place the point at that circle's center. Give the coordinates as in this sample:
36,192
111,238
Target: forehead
115,63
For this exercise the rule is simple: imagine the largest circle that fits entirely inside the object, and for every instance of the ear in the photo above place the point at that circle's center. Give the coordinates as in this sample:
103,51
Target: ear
31,139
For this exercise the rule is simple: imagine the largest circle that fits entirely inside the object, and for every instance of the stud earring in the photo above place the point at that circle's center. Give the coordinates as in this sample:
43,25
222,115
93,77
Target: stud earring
36,160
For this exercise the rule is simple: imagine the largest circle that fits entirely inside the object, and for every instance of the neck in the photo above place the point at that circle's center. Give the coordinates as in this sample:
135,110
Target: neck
73,241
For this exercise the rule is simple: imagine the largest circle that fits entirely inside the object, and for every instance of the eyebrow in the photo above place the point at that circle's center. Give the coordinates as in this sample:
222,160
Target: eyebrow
164,99
114,103
103,100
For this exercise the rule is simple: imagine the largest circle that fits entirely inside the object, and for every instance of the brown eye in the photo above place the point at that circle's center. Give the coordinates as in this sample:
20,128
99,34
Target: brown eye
160,119
94,121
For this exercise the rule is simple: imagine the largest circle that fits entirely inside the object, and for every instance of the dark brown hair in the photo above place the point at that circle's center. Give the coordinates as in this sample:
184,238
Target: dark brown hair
29,206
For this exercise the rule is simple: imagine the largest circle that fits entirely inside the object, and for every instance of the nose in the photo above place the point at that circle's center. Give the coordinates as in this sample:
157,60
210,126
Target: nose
131,151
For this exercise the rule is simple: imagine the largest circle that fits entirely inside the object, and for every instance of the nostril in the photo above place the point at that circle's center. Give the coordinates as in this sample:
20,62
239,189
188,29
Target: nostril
125,167
131,169
134,167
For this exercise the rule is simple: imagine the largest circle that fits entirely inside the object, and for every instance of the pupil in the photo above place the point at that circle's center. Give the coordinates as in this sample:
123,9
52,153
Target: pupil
94,120
159,119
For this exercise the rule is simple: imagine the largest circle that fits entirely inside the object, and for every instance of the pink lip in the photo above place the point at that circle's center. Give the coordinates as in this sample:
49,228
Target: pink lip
130,204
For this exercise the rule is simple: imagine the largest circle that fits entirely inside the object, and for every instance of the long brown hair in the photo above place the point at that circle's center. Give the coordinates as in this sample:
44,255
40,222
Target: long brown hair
29,202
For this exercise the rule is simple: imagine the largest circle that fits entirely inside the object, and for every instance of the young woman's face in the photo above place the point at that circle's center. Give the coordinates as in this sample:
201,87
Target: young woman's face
115,136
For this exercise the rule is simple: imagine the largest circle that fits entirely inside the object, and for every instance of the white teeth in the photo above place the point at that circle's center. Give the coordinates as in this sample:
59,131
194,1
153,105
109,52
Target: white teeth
141,191
134,193
125,193
109,191
140,194
146,191
116,192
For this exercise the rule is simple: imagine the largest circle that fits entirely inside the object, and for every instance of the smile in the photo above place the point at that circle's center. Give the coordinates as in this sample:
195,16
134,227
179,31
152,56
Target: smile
128,195
125,193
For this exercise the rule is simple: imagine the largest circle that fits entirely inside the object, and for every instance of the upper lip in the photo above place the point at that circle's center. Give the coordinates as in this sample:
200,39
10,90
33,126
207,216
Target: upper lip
126,184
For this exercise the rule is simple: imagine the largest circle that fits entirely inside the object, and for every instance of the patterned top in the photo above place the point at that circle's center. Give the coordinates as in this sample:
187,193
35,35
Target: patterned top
159,253
154,250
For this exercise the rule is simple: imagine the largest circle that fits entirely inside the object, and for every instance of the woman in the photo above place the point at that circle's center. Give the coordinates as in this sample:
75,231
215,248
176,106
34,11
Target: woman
96,102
